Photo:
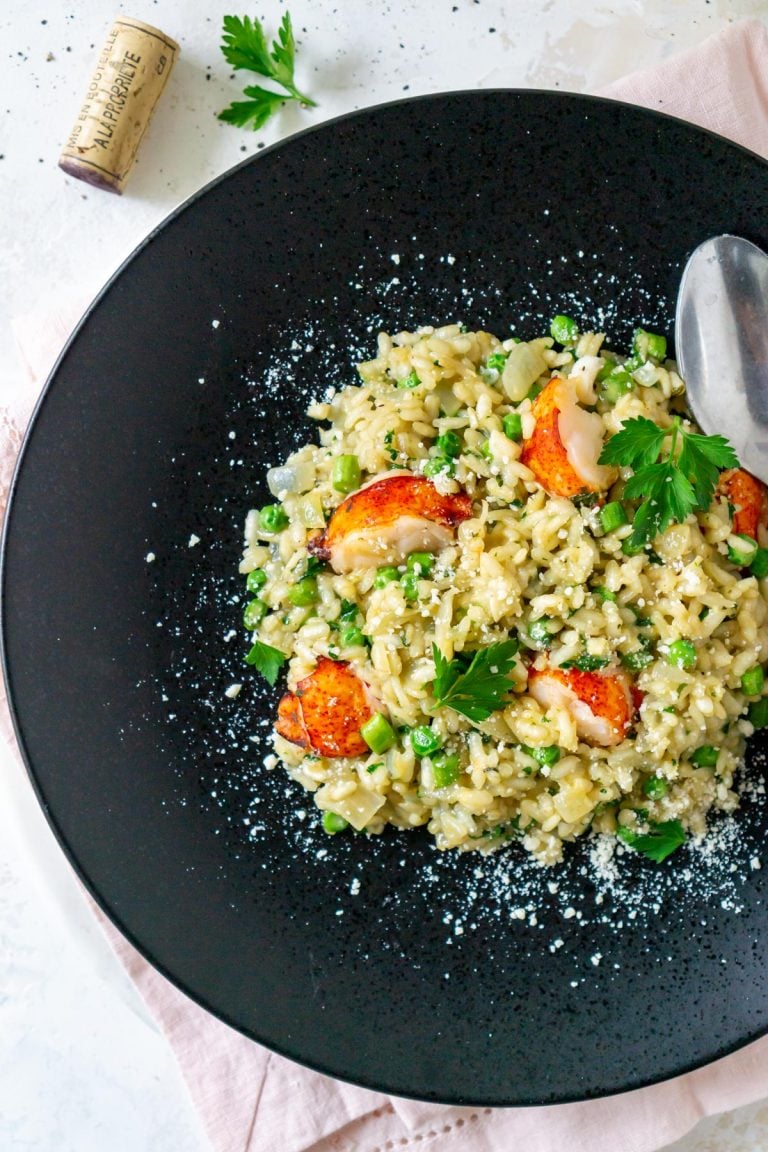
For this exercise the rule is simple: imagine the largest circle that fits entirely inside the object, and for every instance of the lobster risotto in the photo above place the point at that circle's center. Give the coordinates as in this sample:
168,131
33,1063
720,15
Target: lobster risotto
514,594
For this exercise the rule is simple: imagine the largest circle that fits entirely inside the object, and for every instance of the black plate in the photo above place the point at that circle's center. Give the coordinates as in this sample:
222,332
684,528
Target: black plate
380,961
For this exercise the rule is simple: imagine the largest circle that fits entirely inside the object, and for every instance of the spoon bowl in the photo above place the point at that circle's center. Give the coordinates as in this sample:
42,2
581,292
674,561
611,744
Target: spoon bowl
721,340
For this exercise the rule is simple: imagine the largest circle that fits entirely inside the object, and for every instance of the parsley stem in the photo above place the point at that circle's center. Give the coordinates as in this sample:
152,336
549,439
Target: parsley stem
306,101
675,431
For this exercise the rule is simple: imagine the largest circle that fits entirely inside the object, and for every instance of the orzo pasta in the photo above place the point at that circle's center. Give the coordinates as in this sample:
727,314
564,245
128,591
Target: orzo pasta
474,640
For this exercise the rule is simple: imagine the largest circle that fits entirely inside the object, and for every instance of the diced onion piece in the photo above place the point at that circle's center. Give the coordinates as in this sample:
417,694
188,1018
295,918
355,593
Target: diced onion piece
291,478
449,401
647,374
358,808
310,511
523,367
252,534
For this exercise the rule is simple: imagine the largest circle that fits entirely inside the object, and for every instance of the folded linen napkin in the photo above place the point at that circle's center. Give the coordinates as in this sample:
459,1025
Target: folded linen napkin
251,1100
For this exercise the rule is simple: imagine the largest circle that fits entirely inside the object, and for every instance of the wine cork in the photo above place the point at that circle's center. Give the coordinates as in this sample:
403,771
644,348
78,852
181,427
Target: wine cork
131,73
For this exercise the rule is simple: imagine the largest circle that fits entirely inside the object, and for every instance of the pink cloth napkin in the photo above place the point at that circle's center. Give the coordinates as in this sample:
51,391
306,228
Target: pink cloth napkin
251,1100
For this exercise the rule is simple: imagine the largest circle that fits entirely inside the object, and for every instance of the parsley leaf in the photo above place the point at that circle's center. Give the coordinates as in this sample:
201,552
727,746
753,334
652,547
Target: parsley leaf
585,499
284,57
478,689
669,497
245,47
701,458
671,488
660,841
252,113
266,660
586,663
638,444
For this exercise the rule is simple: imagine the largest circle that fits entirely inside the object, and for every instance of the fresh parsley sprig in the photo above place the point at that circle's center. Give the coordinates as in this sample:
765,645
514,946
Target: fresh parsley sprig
479,688
245,46
672,487
266,660
660,841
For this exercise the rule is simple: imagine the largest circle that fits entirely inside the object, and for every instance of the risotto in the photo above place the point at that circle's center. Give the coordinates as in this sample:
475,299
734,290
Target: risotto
489,624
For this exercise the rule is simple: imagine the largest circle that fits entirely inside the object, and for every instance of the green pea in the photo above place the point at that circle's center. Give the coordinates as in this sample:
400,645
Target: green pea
753,681
256,580
449,444
655,787
420,563
409,582
333,823
704,757
513,426
273,518
304,592
384,576
439,464
564,330
682,654
255,611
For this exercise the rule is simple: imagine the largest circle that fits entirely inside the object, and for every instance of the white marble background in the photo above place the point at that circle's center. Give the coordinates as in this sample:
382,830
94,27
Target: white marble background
82,1067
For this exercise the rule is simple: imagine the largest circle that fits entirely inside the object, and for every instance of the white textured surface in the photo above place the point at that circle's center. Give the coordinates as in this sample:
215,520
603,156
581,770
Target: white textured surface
82,1068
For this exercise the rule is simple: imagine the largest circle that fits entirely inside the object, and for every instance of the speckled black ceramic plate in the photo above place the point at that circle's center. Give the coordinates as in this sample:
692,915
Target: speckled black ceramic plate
460,979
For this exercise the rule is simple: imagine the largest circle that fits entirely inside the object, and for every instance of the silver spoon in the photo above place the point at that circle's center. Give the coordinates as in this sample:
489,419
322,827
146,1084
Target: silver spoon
721,340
